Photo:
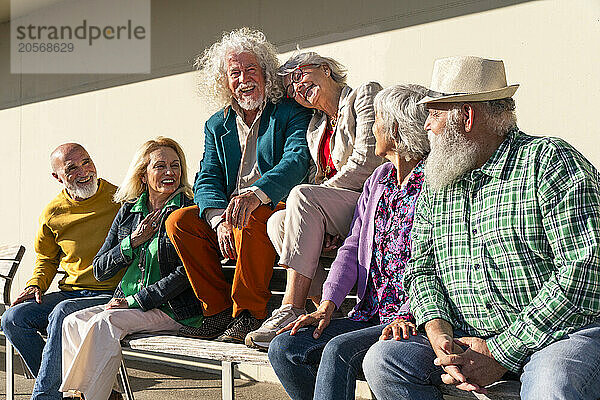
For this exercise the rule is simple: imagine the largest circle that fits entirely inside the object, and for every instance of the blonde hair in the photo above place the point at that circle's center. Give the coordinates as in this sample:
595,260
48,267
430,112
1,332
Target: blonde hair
212,65
133,187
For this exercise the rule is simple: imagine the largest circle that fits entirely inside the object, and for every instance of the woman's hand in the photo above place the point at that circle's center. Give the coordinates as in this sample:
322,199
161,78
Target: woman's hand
146,229
320,318
331,243
116,302
398,329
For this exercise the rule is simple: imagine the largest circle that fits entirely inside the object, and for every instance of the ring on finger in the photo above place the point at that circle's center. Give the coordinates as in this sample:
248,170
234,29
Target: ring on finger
154,225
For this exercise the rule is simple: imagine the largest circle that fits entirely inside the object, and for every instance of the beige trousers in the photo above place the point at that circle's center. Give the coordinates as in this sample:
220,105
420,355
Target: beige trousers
297,232
92,349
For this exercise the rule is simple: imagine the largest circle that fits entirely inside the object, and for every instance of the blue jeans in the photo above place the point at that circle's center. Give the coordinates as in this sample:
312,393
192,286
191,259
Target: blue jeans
22,323
323,368
567,369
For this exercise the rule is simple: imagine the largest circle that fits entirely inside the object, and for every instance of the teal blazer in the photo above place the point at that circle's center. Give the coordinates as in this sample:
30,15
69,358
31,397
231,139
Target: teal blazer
282,154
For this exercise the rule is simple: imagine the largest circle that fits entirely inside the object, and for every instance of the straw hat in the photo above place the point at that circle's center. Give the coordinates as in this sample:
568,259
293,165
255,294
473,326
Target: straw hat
457,79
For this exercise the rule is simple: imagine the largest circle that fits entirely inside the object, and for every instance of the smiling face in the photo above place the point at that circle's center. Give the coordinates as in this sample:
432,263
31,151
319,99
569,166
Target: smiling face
312,84
74,168
163,173
246,80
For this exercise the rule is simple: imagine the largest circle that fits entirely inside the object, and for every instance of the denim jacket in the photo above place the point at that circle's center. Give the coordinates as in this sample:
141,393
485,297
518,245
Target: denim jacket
173,288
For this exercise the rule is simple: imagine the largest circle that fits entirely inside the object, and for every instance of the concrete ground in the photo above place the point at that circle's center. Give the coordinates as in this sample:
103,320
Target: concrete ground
155,381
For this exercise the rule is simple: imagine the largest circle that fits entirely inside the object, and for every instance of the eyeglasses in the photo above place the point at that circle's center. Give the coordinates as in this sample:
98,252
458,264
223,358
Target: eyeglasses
296,76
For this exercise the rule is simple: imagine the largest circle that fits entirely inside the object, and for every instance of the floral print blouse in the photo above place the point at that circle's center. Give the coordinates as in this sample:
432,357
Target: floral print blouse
385,296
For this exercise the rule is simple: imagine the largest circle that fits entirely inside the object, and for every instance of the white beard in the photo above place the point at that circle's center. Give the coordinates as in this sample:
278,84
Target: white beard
452,155
84,190
249,104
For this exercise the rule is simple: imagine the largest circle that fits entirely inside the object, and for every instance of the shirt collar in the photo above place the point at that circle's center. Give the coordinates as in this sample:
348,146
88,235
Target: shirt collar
141,204
497,162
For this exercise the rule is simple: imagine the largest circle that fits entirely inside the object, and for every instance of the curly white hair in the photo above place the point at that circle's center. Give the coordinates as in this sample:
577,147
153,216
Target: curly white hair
212,65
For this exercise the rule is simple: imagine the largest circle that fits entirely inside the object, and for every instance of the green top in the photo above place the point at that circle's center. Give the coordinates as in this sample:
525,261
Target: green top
134,278
511,251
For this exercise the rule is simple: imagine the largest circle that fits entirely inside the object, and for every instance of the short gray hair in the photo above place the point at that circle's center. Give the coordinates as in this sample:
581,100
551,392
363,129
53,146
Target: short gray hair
212,65
499,115
338,71
397,107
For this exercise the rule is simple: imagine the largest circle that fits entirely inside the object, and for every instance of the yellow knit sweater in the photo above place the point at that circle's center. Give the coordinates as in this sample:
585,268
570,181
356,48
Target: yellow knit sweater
69,236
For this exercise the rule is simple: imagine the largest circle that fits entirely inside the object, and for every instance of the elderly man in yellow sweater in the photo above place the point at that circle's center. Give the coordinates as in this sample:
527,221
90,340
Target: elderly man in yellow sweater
72,228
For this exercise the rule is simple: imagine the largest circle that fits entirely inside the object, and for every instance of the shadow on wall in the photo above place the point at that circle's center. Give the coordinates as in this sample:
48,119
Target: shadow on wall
184,28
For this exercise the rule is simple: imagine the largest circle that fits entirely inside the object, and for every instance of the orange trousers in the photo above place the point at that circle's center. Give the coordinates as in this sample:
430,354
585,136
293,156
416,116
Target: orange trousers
198,247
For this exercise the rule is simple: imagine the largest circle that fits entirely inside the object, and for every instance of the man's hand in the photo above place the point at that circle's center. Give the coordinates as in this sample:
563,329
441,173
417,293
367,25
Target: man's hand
331,242
146,229
441,335
116,302
320,318
29,292
226,240
398,329
476,363
240,208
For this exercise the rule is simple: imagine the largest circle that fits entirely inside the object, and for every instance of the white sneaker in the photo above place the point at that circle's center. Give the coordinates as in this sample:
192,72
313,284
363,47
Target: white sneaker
280,318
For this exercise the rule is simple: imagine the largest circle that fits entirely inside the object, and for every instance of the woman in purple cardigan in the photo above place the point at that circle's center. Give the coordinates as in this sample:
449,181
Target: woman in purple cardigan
319,357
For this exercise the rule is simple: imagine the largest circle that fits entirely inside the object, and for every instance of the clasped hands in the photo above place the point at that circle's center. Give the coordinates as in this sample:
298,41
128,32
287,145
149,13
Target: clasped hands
467,362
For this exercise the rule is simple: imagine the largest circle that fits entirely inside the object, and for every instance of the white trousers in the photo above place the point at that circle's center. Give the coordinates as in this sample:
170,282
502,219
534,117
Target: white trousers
92,349
297,232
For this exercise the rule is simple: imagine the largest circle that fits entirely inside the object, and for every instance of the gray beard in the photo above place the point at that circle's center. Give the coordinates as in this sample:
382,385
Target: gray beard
451,156
84,191
250,104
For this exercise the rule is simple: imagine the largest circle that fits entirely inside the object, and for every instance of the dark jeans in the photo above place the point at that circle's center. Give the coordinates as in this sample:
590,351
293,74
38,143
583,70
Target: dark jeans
22,325
327,367
568,369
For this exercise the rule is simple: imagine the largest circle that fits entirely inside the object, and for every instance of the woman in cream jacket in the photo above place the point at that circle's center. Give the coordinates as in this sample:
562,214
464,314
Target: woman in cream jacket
318,215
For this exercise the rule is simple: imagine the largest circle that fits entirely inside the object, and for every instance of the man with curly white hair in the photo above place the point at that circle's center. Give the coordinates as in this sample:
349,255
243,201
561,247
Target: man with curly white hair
255,152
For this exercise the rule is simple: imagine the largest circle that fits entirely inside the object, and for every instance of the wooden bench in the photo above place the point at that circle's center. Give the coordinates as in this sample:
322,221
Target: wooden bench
232,354
172,348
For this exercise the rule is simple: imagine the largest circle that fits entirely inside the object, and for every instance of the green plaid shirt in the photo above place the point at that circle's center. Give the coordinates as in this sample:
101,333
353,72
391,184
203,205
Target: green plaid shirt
511,251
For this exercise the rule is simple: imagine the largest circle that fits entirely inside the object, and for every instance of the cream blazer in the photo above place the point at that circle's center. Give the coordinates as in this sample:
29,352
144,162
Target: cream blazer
352,144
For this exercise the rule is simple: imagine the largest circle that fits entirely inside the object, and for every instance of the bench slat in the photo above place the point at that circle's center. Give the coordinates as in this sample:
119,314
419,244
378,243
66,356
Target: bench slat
12,252
191,347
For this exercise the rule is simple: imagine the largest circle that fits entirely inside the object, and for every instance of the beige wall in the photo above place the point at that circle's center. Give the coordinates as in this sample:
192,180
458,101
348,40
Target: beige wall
551,48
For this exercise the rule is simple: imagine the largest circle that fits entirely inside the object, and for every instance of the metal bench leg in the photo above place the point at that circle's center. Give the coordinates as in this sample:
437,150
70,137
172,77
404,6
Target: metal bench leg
10,371
125,381
227,368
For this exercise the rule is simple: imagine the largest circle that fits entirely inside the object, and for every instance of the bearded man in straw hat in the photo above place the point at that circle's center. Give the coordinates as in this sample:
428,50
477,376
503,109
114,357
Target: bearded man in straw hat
505,274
